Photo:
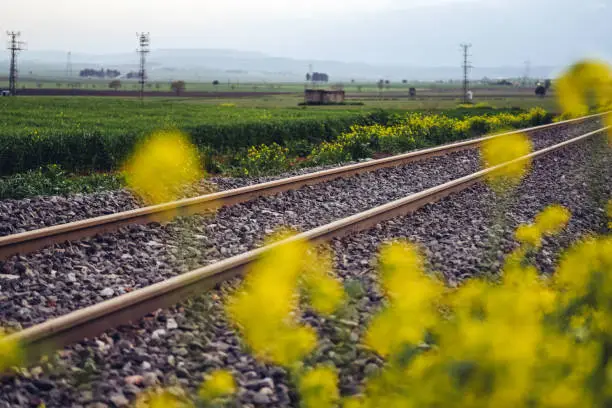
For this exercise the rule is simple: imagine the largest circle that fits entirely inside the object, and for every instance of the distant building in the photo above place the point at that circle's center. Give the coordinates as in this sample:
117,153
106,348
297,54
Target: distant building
323,97
5,93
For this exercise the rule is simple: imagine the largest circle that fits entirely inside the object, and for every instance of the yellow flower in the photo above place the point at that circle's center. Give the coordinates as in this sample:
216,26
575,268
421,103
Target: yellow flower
162,167
220,383
352,402
402,271
552,219
324,293
502,149
529,234
318,388
583,86
264,309
413,301
11,354
161,399
586,268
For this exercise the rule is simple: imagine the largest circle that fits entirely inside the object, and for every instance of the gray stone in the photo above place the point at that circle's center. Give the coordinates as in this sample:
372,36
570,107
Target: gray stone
107,292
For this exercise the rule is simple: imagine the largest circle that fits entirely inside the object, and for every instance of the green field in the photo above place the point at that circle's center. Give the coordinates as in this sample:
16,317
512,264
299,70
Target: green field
99,133
85,133
426,87
88,135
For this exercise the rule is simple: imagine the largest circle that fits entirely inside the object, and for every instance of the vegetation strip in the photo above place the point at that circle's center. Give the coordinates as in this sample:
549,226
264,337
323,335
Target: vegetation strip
88,322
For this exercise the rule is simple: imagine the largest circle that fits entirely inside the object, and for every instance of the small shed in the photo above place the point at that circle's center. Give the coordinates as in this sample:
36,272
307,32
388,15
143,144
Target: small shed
323,97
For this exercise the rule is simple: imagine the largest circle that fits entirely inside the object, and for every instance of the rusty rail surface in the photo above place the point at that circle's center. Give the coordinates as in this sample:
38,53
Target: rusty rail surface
31,241
94,320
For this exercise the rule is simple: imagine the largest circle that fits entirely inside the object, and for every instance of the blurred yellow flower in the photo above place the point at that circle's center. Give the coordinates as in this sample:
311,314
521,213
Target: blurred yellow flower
585,85
318,388
325,293
552,219
11,354
160,398
219,383
413,297
504,149
264,310
586,268
163,166
528,234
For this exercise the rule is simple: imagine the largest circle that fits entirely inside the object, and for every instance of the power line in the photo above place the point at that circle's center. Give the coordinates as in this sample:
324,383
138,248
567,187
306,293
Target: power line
466,70
14,46
144,41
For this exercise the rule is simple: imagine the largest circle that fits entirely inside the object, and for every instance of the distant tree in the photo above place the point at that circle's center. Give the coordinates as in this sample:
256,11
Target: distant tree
547,84
359,88
177,87
115,84
412,92
58,85
308,77
352,81
404,81
157,86
99,73
540,90
320,77
381,84
215,83
39,85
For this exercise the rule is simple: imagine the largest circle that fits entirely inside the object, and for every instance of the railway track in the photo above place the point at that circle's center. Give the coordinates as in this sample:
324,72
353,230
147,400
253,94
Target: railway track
30,241
93,320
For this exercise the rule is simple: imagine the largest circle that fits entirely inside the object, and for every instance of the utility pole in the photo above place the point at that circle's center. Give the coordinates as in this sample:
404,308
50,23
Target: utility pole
466,70
14,46
143,50
69,65
527,72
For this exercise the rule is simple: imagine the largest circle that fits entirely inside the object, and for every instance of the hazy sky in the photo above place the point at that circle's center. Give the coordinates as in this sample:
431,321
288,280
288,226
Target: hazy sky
406,32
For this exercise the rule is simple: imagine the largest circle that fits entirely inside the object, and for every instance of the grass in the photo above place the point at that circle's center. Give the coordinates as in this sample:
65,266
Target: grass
52,180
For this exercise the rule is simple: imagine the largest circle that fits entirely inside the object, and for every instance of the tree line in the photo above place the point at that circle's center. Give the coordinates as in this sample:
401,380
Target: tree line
317,77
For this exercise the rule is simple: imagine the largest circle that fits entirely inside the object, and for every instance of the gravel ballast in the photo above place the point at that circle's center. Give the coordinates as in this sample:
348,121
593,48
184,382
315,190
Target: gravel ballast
176,346
66,277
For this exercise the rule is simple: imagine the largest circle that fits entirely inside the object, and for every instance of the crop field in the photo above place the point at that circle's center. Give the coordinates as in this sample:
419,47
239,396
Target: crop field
99,134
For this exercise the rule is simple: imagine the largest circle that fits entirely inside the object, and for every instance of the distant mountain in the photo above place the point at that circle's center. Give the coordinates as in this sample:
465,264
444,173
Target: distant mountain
209,64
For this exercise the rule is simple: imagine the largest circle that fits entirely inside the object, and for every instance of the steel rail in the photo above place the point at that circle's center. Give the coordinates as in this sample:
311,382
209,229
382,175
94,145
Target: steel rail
30,241
91,321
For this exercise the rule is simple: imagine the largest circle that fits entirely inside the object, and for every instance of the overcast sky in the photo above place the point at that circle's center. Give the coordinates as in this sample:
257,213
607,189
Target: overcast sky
403,32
